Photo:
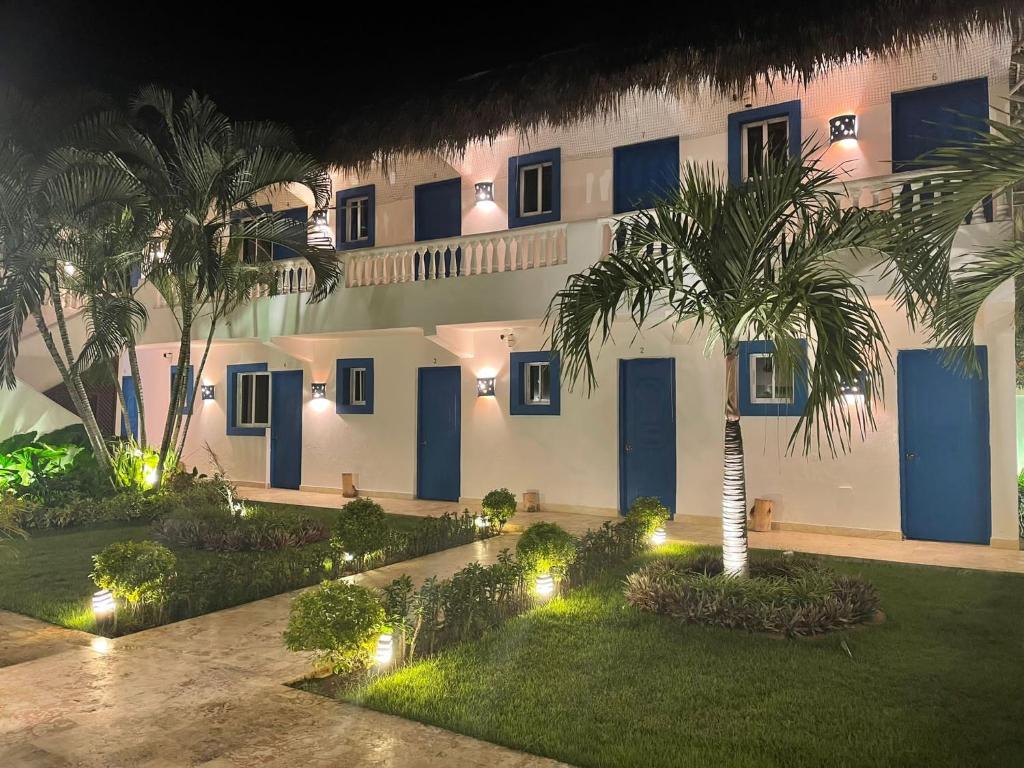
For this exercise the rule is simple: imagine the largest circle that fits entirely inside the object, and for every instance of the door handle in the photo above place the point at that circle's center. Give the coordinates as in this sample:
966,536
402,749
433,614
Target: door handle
629,448
911,455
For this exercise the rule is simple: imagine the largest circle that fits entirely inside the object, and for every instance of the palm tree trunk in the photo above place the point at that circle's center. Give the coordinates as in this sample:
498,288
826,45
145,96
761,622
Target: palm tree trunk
118,389
198,385
133,362
734,482
180,381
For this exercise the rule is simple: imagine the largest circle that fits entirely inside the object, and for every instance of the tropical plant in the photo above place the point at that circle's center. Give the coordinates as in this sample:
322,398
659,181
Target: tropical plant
138,572
361,529
339,621
25,466
647,513
10,508
760,260
499,506
545,548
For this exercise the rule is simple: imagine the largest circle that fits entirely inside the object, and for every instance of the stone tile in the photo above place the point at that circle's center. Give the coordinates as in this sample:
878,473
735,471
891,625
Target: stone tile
23,638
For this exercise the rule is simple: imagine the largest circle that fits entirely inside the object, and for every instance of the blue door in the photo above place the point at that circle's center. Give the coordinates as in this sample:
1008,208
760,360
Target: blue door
944,452
131,405
286,429
439,434
647,431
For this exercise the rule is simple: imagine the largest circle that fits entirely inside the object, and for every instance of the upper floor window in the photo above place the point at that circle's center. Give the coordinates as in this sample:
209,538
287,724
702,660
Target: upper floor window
253,400
927,119
356,217
764,140
534,188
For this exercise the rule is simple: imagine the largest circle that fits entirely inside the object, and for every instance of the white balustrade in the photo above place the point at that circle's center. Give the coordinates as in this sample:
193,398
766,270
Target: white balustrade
456,257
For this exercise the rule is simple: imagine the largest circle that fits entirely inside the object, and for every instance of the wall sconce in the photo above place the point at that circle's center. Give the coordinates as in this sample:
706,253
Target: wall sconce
207,391
319,391
841,128
485,387
484,191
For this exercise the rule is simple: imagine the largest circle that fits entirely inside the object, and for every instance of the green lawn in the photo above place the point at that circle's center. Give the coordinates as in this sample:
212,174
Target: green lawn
47,575
593,682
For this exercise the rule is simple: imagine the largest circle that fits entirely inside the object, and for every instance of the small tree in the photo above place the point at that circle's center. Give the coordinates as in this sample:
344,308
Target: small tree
138,572
545,548
361,529
499,506
339,622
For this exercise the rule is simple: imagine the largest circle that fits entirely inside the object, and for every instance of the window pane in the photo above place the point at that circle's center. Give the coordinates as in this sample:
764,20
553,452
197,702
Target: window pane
363,206
357,386
538,383
530,185
545,189
353,222
545,382
764,377
783,382
755,148
261,399
778,140
245,409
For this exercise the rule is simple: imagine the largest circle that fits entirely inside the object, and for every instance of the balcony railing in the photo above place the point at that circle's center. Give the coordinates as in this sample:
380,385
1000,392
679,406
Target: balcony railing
457,257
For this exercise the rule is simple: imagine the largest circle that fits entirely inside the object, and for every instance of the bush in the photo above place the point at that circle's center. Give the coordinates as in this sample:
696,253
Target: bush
340,622
546,547
138,572
1020,503
362,529
790,597
217,529
601,549
647,513
432,534
499,506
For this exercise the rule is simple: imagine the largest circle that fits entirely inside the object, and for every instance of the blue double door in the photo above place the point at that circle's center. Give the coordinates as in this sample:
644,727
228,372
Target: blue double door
647,431
945,465
286,429
439,433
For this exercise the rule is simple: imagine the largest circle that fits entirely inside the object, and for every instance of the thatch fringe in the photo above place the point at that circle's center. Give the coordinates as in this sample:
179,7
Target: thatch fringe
790,44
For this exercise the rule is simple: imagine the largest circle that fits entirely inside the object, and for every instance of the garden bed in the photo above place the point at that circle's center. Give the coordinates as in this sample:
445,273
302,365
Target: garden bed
592,681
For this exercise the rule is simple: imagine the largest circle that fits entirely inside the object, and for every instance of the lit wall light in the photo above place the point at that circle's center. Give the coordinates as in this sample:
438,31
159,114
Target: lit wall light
319,391
207,391
842,128
484,191
385,649
485,387
103,604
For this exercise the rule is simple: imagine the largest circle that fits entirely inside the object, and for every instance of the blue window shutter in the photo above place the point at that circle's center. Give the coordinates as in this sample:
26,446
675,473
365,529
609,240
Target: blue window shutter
342,398
737,120
747,408
644,173
553,156
517,393
232,414
300,215
438,209
369,191
186,407
930,118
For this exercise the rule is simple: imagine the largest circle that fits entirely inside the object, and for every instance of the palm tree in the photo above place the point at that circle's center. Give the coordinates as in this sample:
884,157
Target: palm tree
200,170
762,260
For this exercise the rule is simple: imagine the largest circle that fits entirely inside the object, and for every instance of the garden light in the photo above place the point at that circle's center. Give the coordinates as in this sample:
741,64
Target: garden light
103,604
348,557
481,521
658,537
385,649
545,584
149,476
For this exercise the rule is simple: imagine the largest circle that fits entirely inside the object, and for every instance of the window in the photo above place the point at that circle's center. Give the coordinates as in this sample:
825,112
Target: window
534,384
769,382
538,384
234,409
764,139
754,134
766,387
253,400
438,209
643,173
354,382
356,217
534,188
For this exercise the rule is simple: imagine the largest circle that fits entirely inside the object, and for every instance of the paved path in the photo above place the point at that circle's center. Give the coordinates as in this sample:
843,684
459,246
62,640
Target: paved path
211,691
23,638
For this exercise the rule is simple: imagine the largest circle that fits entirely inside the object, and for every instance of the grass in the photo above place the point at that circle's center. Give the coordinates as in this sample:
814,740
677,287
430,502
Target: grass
593,682
47,575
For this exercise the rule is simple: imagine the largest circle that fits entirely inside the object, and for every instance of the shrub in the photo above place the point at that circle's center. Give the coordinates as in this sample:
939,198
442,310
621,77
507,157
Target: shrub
790,598
432,534
647,513
361,529
338,621
136,467
215,528
546,547
599,550
499,506
138,572
1020,503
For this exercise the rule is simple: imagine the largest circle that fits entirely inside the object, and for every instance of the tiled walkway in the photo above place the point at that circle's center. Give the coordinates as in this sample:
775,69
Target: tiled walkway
211,692
708,530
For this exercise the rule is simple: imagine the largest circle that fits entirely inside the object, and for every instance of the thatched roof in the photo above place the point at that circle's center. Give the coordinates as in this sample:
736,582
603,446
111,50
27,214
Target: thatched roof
786,40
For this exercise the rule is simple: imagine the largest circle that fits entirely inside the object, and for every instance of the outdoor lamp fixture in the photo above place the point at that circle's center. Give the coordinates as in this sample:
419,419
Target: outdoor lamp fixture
385,649
348,557
484,191
149,476
103,604
481,521
319,391
485,387
545,584
658,537
841,128
207,391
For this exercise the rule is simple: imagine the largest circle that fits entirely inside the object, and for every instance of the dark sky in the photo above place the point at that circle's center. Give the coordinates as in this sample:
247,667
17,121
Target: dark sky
303,64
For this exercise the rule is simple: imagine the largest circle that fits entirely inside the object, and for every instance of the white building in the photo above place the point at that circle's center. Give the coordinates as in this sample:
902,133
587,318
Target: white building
402,345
